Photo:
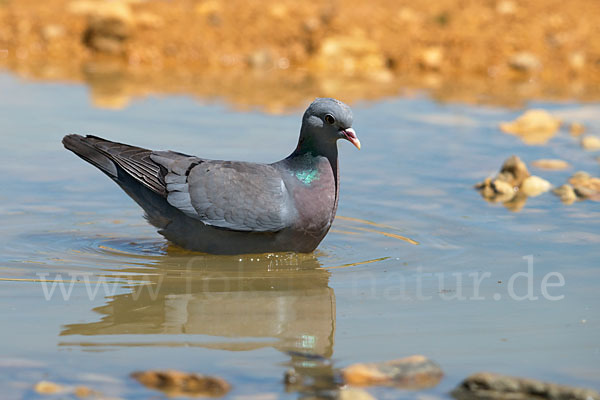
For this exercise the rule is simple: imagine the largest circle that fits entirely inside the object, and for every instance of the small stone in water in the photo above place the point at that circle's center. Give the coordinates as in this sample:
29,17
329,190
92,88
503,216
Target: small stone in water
534,126
546,163
414,372
177,383
566,193
591,142
350,393
585,185
486,385
47,387
513,171
534,186
576,129
83,392
502,187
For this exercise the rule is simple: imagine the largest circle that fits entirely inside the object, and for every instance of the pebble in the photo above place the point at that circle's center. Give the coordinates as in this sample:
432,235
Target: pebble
524,62
576,128
47,387
414,372
566,193
534,186
514,171
351,393
491,386
502,187
176,383
535,126
585,185
591,142
554,164
83,392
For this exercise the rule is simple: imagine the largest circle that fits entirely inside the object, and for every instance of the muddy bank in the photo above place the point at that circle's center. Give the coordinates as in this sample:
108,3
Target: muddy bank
278,54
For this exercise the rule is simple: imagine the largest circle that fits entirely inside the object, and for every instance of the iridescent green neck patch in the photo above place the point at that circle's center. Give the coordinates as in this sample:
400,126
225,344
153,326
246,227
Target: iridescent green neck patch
308,176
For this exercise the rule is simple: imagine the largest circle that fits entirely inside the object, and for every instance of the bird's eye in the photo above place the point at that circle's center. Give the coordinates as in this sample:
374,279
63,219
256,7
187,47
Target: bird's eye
329,119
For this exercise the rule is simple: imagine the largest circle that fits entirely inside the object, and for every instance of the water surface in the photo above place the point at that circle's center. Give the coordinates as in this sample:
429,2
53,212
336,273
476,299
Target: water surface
130,301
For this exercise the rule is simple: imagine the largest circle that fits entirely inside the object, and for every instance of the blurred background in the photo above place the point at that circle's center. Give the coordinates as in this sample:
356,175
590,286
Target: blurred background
279,54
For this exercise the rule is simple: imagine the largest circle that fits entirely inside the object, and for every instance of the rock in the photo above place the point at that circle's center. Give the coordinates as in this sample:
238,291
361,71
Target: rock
534,126
514,171
554,164
177,383
350,393
517,203
109,24
502,187
431,58
505,185
585,186
47,387
524,62
566,193
495,190
534,186
106,35
576,128
513,185
414,372
591,142
83,392
490,386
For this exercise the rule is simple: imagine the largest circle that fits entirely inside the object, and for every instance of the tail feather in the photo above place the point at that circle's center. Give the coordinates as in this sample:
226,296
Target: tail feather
114,159
87,151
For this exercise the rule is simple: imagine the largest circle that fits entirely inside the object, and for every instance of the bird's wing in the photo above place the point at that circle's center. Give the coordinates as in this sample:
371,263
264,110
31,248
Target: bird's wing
104,154
234,195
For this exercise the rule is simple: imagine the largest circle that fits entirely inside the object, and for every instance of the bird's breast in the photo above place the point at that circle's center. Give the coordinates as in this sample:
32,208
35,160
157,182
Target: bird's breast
314,197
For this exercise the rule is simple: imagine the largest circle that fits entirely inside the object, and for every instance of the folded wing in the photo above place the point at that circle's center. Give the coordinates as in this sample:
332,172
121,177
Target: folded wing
227,194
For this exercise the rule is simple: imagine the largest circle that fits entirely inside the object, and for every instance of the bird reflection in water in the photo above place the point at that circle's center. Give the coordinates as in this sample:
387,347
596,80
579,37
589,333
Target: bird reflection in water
271,300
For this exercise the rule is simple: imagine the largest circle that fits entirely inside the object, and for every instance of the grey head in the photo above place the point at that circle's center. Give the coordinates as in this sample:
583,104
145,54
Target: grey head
324,122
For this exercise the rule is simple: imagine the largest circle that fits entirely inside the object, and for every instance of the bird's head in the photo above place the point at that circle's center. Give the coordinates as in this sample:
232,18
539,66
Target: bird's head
327,120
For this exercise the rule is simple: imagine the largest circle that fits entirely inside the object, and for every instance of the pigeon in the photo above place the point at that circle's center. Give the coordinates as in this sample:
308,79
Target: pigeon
235,207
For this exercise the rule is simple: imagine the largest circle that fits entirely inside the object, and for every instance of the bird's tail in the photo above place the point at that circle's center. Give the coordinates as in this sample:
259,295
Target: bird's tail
118,160
131,168
85,148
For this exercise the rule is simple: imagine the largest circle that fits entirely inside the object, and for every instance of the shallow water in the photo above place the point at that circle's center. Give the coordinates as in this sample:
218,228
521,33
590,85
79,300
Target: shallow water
90,292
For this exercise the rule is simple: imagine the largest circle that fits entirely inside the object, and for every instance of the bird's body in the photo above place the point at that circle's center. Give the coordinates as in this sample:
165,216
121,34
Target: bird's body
234,207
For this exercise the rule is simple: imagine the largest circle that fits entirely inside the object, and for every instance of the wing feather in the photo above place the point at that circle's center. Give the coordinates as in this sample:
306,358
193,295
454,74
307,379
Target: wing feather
232,195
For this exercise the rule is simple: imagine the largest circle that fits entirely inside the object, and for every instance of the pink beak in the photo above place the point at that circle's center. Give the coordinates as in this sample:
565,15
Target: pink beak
351,137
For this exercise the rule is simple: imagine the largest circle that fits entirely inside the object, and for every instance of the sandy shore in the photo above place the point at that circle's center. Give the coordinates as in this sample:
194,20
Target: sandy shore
277,54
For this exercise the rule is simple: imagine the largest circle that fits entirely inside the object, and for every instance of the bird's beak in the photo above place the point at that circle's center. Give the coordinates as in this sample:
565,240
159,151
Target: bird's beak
351,137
